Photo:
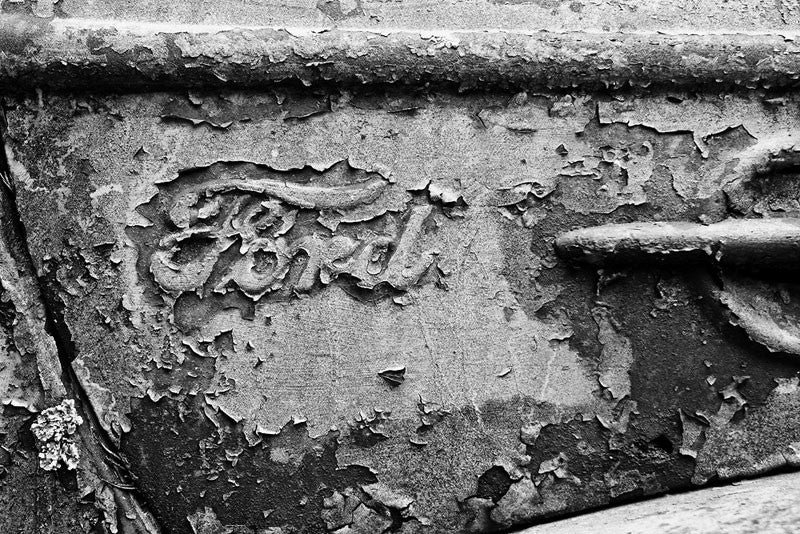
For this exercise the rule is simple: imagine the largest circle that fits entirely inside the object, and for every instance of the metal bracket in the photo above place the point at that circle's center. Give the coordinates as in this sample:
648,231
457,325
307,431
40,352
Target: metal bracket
762,247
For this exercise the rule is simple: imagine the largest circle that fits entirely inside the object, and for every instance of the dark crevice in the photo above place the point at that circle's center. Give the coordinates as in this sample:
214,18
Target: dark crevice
493,484
16,236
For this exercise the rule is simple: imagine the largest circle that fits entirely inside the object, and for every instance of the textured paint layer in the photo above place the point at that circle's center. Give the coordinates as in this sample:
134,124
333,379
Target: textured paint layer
237,274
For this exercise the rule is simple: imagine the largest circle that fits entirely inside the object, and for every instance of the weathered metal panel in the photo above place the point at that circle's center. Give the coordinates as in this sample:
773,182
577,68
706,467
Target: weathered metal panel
342,307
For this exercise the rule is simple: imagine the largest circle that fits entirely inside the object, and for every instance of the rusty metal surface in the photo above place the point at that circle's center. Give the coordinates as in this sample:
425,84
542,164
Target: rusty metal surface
342,308
85,54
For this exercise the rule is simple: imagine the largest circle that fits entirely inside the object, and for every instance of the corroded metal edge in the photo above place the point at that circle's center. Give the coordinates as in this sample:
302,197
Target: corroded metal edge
66,54
766,504
97,471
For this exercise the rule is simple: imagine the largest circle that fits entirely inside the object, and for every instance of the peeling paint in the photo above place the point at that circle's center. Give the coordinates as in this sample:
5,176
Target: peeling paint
53,429
478,382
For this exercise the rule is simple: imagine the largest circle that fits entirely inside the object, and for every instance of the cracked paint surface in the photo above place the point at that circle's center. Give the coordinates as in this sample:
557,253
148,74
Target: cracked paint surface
237,273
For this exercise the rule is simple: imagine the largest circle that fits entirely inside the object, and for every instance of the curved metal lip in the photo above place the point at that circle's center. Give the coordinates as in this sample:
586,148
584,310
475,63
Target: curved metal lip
67,54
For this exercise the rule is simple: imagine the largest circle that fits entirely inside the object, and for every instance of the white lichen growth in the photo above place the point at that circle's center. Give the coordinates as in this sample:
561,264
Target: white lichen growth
53,428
